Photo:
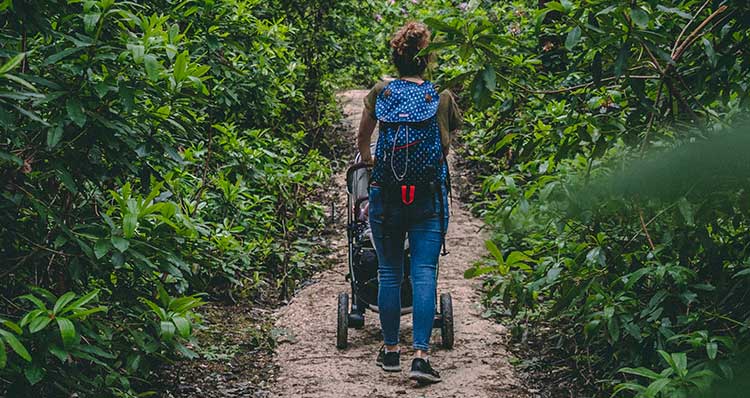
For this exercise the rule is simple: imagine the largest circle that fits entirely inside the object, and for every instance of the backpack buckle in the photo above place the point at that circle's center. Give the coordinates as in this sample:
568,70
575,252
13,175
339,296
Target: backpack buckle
407,194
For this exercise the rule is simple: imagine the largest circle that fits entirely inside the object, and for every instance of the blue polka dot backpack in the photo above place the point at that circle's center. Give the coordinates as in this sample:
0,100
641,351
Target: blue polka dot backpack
409,156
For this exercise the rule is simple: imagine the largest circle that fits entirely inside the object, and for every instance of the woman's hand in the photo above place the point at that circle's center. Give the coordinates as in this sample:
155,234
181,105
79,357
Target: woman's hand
368,160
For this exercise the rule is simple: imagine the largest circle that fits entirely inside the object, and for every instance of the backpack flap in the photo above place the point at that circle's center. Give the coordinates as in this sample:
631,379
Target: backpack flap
407,102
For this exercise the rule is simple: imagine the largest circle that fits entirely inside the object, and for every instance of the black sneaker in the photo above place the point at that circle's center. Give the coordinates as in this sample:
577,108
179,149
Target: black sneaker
389,361
422,372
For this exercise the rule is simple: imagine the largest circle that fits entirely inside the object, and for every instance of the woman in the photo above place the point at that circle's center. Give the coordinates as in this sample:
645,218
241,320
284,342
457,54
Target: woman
421,214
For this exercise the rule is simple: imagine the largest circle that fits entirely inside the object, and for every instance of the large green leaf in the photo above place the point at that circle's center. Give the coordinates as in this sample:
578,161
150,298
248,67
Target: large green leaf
166,330
482,86
76,112
640,17
121,244
711,350
668,359
67,180
505,141
34,374
613,328
439,46
35,300
63,301
129,224
622,59
596,256
680,361
101,248
95,350
153,67
59,352
437,24
59,56
12,326
138,52
183,326
12,63
90,21
180,67
82,314
495,251
67,331
160,312
182,304
517,259
674,10
574,36
15,344
476,271
489,76
54,136
643,372
85,299
655,387
555,6
24,83
39,323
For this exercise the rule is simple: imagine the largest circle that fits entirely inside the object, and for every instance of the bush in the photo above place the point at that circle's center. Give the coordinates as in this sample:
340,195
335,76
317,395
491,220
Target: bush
150,151
649,275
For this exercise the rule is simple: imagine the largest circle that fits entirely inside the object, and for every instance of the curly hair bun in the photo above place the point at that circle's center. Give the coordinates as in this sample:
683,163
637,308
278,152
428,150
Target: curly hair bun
411,38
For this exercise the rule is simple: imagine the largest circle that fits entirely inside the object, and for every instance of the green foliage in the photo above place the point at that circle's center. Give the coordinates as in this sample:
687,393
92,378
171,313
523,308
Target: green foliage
153,150
174,320
67,343
676,380
150,151
653,257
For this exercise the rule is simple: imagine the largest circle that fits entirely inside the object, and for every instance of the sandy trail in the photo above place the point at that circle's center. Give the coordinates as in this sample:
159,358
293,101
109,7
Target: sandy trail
311,366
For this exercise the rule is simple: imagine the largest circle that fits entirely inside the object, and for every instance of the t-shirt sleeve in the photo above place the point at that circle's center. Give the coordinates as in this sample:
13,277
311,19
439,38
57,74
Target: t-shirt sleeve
372,97
449,116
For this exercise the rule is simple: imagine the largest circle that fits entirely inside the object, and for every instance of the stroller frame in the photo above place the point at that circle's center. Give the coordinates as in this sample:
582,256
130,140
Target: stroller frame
357,235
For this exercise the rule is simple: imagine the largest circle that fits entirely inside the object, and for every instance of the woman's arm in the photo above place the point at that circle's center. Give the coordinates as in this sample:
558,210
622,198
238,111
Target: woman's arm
366,127
449,119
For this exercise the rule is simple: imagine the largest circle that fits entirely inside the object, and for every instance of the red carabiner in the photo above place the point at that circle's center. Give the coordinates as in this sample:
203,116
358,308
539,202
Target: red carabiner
410,199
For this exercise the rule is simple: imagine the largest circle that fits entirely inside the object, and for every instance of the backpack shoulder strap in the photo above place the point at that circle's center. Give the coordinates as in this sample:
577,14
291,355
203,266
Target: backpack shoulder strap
449,191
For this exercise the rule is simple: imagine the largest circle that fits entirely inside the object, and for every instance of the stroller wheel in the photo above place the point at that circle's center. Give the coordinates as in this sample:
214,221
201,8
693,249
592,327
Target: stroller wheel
342,327
446,326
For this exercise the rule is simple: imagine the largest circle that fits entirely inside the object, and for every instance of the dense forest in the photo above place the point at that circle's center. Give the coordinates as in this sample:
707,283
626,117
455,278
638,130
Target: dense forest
633,257
156,155
152,151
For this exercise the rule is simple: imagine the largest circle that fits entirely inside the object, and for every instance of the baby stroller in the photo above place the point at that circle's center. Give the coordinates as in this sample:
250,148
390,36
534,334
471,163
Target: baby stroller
363,267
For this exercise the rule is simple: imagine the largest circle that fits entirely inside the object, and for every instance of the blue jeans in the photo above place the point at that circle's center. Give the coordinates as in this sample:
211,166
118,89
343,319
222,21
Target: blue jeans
390,225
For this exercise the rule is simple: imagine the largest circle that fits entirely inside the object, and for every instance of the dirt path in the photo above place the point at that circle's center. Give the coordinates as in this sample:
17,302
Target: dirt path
311,366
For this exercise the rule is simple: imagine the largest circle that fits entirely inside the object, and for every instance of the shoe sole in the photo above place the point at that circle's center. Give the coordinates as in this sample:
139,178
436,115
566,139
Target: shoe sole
423,378
390,368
